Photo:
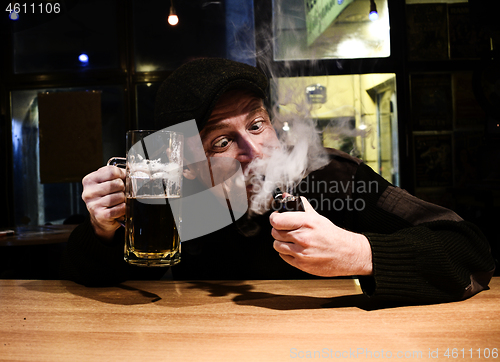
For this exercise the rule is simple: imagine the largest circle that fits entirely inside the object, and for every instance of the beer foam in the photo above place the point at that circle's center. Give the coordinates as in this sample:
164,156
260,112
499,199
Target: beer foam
154,179
140,174
154,169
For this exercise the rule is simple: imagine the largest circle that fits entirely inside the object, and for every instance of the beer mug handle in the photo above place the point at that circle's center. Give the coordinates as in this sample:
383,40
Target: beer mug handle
120,162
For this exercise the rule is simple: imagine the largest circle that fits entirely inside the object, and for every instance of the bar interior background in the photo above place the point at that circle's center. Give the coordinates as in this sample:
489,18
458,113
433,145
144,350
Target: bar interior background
423,77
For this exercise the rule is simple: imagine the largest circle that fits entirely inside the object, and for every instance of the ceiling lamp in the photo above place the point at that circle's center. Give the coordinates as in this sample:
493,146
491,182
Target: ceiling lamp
172,16
373,11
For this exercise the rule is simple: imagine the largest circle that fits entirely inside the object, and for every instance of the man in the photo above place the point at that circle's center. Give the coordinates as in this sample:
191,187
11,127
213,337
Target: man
400,247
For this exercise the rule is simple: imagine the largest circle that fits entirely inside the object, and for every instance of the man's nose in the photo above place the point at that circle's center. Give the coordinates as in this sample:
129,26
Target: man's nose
249,148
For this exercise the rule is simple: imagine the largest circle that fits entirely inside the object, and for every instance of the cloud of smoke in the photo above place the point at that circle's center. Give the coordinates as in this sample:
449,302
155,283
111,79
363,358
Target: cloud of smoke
301,148
286,166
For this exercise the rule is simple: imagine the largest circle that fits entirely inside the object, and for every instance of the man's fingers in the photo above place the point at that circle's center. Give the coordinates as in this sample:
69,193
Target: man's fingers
282,235
292,220
113,186
286,254
116,212
107,208
307,206
109,214
102,189
289,220
287,248
104,174
113,199
289,259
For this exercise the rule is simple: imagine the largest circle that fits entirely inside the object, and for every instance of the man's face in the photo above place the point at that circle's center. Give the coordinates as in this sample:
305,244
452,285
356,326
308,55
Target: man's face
239,128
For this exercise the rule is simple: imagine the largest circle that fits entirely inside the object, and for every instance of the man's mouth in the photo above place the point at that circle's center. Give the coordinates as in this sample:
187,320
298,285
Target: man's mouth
251,180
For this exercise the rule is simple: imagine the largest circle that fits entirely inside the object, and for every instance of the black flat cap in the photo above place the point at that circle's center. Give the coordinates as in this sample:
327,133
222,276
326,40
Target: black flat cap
194,88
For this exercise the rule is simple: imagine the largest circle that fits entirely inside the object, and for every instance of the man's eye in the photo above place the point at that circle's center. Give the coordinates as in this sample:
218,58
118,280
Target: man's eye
223,142
257,125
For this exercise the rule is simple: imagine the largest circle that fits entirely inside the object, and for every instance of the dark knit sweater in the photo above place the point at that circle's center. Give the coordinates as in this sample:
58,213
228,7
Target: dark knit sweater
421,252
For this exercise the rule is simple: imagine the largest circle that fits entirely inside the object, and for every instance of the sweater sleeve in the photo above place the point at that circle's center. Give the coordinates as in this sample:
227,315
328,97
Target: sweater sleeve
89,261
420,251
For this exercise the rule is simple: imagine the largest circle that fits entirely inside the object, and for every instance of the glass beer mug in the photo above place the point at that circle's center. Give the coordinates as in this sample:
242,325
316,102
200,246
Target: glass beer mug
153,187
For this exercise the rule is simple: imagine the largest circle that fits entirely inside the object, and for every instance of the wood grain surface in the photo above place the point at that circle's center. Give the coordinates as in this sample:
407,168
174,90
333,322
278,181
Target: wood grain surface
267,320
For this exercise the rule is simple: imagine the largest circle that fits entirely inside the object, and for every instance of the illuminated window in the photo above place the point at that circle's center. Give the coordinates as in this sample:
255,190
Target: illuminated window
330,29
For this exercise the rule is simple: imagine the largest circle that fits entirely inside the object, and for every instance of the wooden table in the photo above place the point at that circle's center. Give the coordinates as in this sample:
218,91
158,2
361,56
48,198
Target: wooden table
37,235
33,252
237,321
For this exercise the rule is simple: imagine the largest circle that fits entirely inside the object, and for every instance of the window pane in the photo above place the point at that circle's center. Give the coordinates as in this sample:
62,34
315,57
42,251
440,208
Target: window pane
37,203
330,29
51,42
356,114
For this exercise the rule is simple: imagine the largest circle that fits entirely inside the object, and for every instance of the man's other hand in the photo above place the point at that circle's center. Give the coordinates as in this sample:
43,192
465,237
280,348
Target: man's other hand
312,243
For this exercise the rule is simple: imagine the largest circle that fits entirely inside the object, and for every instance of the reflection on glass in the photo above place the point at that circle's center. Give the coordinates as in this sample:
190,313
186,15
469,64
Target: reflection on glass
354,113
387,126
330,29
37,203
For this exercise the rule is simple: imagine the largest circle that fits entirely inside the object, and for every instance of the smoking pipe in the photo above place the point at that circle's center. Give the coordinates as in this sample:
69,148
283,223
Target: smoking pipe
286,203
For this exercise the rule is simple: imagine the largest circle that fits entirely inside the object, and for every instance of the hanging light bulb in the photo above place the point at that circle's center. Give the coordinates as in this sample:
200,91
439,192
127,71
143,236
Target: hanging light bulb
172,16
373,11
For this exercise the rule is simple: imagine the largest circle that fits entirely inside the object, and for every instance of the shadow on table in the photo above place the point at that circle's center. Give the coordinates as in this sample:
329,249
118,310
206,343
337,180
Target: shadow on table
120,294
245,296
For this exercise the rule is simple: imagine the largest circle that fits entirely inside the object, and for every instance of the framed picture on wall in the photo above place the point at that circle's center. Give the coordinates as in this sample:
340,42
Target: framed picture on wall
433,160
468,40
427,31
431,102
469,158
468,113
